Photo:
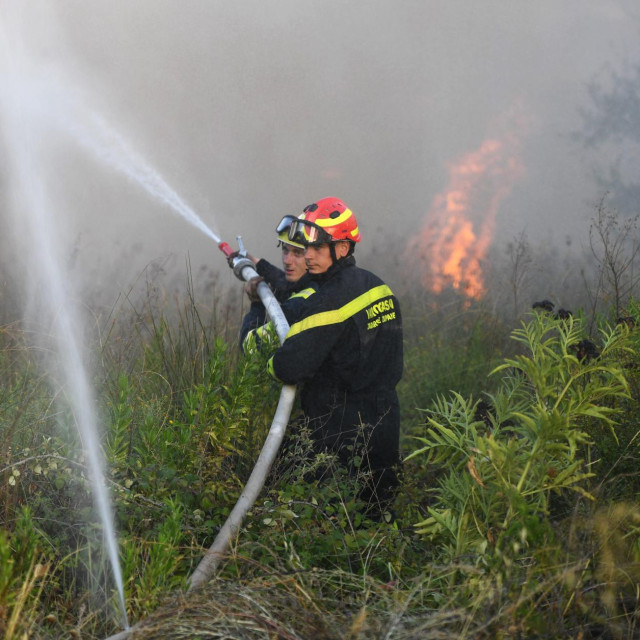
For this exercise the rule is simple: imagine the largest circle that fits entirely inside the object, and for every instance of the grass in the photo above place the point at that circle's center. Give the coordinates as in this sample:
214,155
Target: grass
521,522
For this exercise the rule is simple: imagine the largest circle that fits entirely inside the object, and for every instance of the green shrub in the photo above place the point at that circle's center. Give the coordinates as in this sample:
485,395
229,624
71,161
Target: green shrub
498,474
511,484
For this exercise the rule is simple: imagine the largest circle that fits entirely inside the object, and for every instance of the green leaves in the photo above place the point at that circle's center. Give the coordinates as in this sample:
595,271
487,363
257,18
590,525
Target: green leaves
534,439
450,434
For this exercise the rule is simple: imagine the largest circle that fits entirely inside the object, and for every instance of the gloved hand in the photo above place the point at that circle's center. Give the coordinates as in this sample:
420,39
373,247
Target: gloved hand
235,254
251,288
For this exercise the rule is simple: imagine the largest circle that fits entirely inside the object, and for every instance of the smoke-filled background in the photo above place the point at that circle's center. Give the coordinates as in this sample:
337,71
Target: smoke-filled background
439,123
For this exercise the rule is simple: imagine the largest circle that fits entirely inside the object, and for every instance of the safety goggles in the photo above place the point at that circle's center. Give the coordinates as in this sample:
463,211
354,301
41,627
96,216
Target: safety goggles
308,233
285,223
284,231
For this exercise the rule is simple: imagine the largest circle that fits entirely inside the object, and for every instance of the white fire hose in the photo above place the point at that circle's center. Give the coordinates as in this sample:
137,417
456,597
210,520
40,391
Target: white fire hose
244,269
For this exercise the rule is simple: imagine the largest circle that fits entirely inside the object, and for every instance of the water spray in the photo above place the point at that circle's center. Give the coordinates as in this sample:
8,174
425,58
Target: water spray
94,134
34,100
111,148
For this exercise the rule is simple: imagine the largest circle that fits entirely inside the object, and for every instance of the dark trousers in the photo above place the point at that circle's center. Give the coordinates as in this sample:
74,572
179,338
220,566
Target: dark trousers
363,431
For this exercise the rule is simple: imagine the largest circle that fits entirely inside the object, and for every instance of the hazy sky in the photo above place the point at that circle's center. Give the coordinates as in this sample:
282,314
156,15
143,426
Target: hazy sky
253,109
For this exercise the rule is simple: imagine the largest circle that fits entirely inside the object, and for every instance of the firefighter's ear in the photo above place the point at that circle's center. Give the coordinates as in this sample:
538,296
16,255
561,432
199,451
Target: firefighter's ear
342,249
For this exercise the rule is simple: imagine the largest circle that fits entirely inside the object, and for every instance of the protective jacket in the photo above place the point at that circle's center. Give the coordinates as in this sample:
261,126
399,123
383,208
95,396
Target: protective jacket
346,352
290,295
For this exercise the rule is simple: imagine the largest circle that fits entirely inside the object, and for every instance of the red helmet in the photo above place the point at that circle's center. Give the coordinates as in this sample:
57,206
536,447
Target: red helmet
328,220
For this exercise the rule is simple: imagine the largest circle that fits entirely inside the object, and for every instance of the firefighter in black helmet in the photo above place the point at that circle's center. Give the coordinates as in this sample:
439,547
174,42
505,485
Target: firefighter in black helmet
346,353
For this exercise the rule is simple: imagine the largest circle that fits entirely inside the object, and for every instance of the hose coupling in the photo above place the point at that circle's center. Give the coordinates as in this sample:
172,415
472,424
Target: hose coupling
241,263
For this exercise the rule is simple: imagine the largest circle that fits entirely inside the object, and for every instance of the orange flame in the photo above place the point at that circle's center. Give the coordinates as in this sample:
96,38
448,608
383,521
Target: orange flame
458,229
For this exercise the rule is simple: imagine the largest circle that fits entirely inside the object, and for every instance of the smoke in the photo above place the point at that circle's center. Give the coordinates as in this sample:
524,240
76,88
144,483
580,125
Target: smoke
252,110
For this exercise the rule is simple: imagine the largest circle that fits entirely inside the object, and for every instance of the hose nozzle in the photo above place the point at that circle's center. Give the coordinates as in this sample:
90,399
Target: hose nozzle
240,260
225,248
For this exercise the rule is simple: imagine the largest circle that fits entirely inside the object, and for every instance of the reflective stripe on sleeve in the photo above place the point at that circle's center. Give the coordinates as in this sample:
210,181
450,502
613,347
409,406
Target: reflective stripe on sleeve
271,371
304,293
345,312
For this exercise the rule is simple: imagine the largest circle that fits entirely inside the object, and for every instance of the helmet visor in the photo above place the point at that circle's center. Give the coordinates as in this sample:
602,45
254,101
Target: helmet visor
308,233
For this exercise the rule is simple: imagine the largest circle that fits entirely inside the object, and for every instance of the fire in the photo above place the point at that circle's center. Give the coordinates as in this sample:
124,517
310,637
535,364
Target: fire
459,226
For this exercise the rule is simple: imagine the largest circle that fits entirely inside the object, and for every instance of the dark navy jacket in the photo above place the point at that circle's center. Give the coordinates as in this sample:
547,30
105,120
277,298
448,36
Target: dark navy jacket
346,351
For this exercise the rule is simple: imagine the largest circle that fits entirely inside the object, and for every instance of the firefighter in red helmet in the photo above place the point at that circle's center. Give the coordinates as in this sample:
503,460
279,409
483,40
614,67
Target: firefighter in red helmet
346,353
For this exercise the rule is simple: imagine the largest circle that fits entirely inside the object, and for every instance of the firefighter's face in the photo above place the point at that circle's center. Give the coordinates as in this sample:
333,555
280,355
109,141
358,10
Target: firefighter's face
293,262
318,257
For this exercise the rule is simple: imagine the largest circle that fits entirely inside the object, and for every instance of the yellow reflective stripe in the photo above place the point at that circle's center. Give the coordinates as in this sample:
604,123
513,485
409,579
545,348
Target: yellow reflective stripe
271,371
343,313
355,232
332,222
304,293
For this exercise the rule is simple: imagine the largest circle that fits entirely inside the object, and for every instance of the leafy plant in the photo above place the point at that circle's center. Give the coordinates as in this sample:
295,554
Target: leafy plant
499,473
153,563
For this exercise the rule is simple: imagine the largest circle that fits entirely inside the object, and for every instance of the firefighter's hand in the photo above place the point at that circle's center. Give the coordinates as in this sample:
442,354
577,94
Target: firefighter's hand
235,254
251,288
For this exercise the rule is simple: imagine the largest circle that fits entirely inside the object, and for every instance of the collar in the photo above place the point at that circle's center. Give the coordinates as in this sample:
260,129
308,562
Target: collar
336,267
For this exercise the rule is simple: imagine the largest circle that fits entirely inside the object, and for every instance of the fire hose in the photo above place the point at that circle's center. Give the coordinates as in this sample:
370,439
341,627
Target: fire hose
244,269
